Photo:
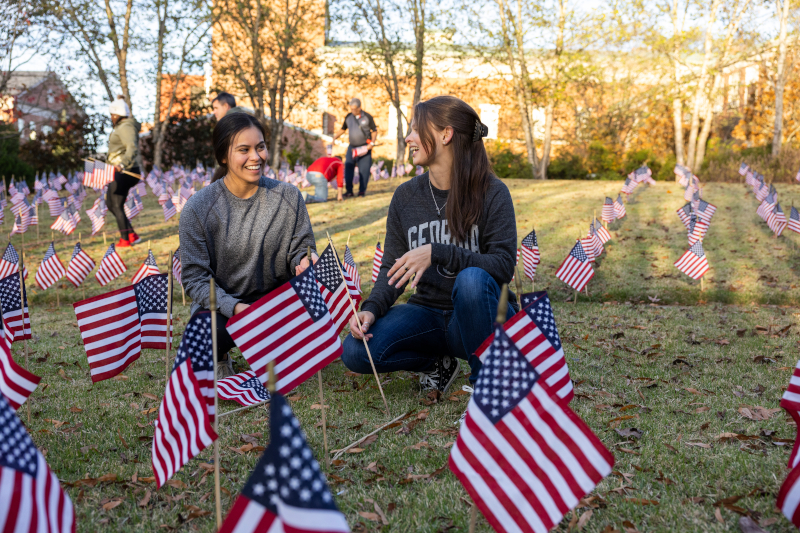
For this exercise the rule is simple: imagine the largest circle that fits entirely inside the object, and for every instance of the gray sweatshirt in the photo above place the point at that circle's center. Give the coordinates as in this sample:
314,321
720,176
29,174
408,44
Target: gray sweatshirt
413,221
249,246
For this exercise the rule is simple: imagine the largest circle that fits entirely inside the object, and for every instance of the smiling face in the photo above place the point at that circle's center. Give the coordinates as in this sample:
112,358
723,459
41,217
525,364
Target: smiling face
247,155
421,154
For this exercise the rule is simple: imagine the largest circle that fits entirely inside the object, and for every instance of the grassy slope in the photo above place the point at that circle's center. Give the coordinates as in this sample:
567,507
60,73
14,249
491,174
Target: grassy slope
603,345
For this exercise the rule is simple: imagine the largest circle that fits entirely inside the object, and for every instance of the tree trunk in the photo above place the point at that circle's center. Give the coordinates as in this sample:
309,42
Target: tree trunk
708,122
548,135
121,50
780,81
700,91
158,145
418,10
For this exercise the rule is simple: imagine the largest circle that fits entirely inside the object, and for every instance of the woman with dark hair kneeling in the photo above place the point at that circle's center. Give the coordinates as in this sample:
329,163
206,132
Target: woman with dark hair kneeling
250,233
452,233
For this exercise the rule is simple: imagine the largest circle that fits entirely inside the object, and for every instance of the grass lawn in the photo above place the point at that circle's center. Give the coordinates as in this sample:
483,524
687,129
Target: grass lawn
687,373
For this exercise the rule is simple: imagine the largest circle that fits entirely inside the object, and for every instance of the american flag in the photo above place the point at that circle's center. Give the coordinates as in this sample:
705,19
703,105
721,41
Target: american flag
594,241
332,286
287,490
777,220
169,210
141,189
55,203
576,270
111,267
33,214
101,176
176,265
131,207
602,233
535,334
789,494
761,191
290,326
693,263
184,425
9,263
689,192
794,220
88,172
750,178
51,270
791,403
619,207
789,497
766,206
607,214
148,268
351,268
79,266
116,326
697,229
685,214
97,215
245,389
684,175
3,200
32,500
16,383
705,210
530,254
524,458
376,262
629,185
588,247
16,322
66,222
743,168
12,187
20,224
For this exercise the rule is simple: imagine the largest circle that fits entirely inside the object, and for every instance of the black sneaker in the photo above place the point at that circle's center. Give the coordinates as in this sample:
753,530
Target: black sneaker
348,195
361,194
443,375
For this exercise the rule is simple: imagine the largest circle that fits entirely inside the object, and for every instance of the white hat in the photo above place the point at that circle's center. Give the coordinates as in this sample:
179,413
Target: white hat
119,107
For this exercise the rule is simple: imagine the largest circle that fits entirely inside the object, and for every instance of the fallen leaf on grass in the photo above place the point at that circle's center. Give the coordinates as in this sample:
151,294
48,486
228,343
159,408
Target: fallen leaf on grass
119,434
57,423
175,483
629,432
718,516
91,482
584,519
64,375
144,501
121,377
418,446
726,437
693,391
699,444
702,409
250,438
150,396
758,413
370,516
112,504
75,409
626,450
246,448
416,477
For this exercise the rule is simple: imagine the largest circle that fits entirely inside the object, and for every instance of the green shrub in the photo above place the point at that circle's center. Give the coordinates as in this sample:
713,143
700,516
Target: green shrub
602,160
507,164
567,166
10,162
667,170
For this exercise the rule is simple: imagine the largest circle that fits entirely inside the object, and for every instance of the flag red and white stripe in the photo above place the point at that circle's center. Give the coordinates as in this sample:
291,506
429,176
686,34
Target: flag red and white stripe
608,214
530,254
576,270
693,263
290,326
51,270
16,320
176,265
111,267
79,266
524,458
376,262
16,383
244,388
148,268
334,288
351,268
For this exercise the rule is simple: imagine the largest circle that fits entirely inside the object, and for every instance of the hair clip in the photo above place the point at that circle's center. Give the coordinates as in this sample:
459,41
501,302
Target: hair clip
481,131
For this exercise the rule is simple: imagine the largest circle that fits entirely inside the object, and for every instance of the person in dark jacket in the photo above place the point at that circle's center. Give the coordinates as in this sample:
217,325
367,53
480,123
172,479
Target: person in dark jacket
123,151
451,234
362,134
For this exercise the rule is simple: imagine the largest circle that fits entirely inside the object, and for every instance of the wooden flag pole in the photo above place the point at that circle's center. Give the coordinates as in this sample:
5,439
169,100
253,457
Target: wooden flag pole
358,320
322,395
36,211
104,238
83,287
701,283
22,312
348,240
473,518
169,317
212,297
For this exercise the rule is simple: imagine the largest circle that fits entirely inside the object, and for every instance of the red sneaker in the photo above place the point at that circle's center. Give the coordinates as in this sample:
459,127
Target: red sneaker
123,243
133,238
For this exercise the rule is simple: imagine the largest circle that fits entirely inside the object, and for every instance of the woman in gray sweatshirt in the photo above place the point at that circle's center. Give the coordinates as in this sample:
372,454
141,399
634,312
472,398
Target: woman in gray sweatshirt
250,233
451,234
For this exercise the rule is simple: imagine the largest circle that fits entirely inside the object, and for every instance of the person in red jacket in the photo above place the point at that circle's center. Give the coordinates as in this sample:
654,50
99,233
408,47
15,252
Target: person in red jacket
322,171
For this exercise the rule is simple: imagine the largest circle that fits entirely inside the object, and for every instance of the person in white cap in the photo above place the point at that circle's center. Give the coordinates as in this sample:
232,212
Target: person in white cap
123,151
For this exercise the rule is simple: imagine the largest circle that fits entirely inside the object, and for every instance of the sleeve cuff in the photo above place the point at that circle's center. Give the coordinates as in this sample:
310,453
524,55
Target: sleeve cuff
372,308
227,304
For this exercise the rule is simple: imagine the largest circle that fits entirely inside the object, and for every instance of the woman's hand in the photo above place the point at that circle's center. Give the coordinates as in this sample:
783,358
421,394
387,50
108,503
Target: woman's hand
240,307
416,262
299,269
367,319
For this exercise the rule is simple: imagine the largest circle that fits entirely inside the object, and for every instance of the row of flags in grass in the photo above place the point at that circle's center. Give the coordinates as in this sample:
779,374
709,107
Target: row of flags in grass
696,216
769,209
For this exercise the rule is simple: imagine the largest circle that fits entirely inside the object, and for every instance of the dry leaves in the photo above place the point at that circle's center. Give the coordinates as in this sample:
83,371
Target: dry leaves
757,413
144,501
584,519
116,502
246,448
699,444
64,375
75,409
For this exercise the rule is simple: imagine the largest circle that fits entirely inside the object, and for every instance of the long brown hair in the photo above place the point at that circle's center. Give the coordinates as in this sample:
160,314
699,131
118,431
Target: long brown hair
224,134
469,178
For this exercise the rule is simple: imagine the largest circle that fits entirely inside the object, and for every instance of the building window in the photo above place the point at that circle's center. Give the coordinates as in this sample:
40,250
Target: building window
490,115
21,125
50,98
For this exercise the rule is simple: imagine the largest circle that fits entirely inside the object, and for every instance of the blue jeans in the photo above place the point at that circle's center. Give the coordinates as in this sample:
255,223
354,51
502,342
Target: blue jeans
411,337
320,187
364,164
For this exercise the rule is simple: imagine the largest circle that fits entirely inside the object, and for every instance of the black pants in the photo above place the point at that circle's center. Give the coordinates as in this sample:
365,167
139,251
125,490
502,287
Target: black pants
364,164
115,200
224,341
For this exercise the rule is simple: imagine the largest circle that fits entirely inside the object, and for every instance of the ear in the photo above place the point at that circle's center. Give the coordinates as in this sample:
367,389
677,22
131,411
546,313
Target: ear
447,135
